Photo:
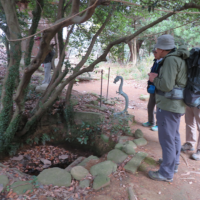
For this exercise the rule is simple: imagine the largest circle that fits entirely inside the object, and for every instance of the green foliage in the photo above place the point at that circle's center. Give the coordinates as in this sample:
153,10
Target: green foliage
45,138
119,125
84,132
36,140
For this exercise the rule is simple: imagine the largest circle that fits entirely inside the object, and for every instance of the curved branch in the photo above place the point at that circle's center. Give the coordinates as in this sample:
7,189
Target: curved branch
35,21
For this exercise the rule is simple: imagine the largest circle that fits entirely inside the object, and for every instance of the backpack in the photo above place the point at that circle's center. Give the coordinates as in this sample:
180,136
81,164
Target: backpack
192,89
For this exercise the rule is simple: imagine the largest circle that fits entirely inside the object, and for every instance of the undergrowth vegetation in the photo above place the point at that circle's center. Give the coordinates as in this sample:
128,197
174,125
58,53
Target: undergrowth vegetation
129,71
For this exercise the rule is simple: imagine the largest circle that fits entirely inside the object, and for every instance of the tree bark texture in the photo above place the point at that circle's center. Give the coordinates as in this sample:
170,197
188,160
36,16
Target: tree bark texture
13,67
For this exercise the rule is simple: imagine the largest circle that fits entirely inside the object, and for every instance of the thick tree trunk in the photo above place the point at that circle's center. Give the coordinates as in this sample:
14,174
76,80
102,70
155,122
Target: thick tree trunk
130,45
13,67
133,51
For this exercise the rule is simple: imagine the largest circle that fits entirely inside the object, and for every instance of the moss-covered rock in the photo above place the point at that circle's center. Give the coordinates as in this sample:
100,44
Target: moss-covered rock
117,156
138,134
100,181
129,148
84,183
4,180
105,168
150,161
20,187
140,142
135,162
55,176
79,172
119,146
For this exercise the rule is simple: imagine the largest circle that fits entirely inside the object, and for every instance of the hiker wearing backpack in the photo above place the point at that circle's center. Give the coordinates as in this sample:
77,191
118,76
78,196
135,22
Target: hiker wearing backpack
192,100
169,84
152,97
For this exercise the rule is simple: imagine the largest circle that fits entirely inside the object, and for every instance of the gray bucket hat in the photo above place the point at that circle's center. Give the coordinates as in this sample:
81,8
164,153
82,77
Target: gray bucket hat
154,49
165,42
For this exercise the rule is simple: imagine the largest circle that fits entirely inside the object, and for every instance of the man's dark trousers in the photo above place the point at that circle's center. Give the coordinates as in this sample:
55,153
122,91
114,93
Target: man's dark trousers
150,108
169,138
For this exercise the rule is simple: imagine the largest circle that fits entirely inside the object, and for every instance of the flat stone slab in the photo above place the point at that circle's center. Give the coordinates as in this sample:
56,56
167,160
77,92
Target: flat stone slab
55,176
135,162
89,117
106,168
101,181
124,139
129,148
117,156
138,134
20,187
140,142
119,146
79,172
87,160
76,162
4,180
84,183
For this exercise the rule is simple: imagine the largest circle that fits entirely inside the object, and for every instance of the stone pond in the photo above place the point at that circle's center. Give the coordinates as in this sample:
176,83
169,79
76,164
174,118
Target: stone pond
90,172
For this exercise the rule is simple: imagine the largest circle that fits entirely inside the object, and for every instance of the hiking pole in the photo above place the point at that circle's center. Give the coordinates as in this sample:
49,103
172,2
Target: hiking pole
101,86
108,83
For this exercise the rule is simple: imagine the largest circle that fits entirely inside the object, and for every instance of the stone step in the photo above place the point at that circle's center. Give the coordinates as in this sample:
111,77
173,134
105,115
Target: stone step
135,162
117,156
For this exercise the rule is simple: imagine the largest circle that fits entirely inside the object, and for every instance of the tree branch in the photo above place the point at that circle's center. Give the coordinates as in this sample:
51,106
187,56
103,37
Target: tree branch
35,21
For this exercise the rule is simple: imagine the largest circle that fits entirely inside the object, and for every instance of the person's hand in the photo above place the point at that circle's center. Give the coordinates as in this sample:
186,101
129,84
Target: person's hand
152,76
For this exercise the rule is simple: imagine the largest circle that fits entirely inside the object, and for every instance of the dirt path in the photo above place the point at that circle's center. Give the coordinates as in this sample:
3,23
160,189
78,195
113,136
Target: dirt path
182,187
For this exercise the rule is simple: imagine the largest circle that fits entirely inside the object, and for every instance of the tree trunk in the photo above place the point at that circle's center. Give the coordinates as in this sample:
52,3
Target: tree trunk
69,92
130,45
13,67
133,51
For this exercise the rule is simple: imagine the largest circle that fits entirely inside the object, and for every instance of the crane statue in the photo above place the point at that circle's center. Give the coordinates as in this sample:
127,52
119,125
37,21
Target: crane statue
123,94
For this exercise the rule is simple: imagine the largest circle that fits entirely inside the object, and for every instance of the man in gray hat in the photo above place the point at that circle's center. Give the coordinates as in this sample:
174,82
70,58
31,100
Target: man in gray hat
169,85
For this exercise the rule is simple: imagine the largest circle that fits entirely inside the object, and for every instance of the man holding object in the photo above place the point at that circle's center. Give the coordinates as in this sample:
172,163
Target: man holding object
169,85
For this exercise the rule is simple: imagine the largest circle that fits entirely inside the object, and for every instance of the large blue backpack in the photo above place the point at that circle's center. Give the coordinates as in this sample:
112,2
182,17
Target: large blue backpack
192,90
